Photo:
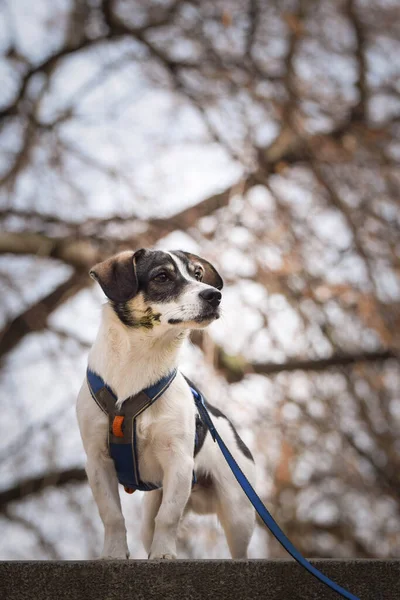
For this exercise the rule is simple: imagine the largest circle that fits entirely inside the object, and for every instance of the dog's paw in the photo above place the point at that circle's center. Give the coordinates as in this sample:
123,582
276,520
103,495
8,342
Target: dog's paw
162,556
114,554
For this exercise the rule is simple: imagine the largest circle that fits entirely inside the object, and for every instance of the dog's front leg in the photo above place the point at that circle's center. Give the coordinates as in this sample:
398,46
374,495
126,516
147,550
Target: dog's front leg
177,482
104,484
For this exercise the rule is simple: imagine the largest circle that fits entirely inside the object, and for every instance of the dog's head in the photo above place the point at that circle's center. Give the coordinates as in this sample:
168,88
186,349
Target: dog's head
150,287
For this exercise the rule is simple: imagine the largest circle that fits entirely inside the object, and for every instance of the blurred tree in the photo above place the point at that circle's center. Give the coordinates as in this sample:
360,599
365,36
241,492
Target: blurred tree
267,132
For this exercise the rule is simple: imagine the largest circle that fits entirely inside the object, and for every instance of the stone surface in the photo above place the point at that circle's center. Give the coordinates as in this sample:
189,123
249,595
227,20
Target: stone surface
195,580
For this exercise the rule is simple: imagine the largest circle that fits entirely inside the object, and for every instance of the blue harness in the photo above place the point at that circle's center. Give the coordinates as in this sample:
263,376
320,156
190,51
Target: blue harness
122,438
125,457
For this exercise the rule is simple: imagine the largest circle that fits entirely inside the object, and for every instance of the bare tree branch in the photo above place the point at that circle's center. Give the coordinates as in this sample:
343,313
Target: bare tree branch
117,29
36,485
35,317
235,368
359,111
80,254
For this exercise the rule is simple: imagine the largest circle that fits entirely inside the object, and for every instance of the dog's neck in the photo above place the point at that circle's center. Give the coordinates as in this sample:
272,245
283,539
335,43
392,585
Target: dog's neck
130,359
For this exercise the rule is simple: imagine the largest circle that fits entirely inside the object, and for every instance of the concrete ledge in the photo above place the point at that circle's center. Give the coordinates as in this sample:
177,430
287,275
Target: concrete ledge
190,580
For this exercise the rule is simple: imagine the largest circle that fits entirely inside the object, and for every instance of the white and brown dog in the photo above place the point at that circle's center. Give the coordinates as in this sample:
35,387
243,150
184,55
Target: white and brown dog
154,299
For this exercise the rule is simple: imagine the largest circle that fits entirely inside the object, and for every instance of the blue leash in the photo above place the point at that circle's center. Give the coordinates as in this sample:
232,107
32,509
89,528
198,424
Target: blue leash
259,506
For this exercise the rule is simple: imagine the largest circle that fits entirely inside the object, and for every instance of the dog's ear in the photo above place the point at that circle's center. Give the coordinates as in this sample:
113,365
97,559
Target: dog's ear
117,276
211,275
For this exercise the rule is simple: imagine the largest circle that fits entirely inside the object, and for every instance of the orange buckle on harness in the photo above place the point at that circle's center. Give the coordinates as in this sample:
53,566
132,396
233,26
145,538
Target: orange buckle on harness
129,490
117,426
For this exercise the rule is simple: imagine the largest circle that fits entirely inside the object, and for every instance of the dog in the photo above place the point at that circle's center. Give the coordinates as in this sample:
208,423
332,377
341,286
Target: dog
154,299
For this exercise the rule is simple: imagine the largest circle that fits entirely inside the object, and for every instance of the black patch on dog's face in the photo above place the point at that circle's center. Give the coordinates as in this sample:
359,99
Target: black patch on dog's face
159,278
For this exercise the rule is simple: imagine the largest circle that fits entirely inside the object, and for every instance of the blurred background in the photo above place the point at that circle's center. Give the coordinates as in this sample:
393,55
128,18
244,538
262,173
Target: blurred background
265,136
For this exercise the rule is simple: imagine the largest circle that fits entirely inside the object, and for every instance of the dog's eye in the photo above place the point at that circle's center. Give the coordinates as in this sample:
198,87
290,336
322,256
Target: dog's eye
198,275
161,278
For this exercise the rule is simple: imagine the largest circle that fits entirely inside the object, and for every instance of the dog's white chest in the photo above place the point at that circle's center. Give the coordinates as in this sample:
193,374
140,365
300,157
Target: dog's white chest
149,465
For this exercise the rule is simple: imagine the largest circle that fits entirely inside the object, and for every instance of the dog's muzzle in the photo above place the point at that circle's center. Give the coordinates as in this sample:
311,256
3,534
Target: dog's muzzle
212,296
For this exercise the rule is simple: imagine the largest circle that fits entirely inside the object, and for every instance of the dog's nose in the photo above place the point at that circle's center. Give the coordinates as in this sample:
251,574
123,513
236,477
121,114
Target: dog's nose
212,296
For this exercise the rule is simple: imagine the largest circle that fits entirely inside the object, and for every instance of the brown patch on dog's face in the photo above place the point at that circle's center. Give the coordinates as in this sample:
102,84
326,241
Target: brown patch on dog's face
136,313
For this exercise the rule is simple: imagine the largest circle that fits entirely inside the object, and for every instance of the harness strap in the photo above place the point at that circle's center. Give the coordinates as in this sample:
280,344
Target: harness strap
122,426
256,501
